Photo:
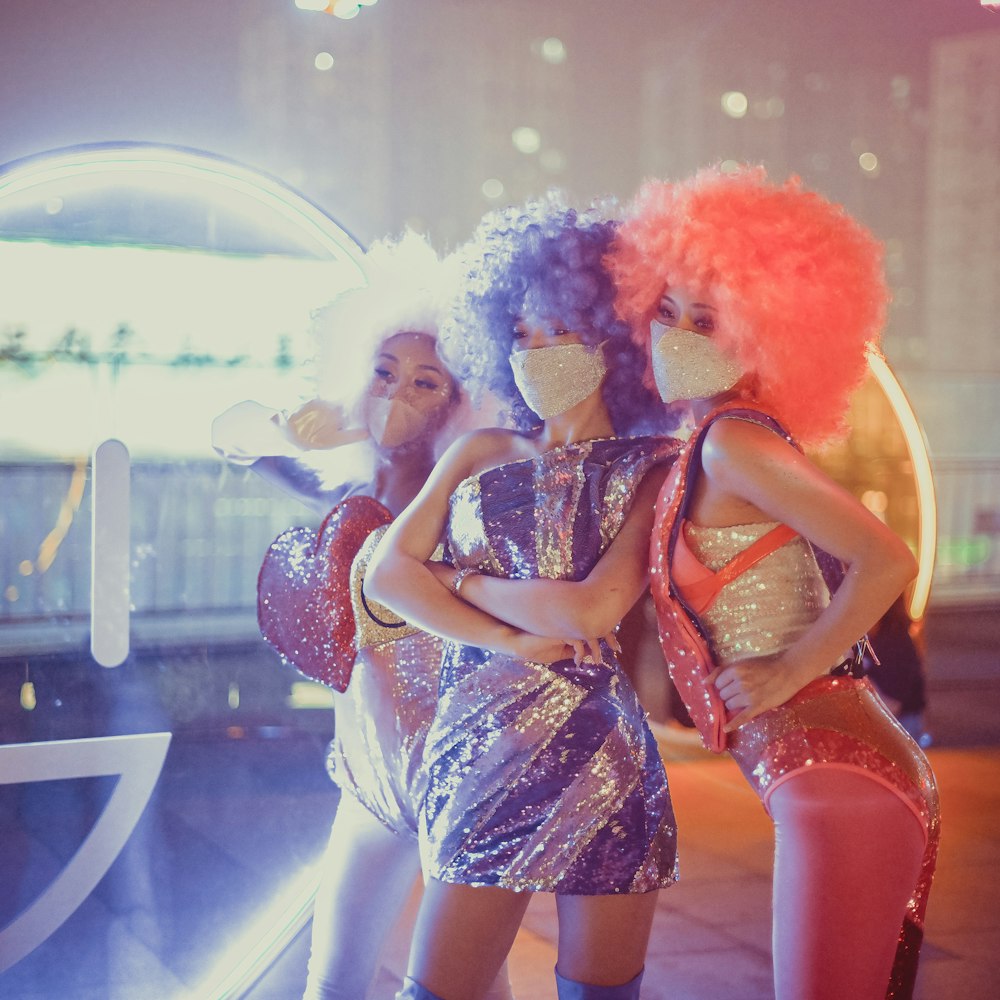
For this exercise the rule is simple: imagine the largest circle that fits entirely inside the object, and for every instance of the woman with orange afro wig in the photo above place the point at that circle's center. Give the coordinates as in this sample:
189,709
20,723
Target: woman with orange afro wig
755,303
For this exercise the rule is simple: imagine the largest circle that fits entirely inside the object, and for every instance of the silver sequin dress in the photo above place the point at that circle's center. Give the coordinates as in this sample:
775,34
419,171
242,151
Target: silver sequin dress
383,717
545,777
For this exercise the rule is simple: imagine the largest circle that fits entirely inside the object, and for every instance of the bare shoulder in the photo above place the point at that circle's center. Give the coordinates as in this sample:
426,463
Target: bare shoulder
481,449
732,444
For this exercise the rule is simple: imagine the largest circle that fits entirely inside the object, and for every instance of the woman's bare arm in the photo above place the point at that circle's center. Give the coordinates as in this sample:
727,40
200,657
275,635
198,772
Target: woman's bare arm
744,462
399,578
581,609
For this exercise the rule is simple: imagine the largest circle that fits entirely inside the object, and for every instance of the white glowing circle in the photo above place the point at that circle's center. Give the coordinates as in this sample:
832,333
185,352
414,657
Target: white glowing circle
729,166
553,51
346,9
868,162
735,103
492,188
53,205
160,167
553,161
323,61
526,139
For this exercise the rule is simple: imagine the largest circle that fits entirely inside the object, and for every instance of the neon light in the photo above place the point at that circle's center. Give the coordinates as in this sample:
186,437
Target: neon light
147,158
916,446
249,956
138,760
255,950
109,554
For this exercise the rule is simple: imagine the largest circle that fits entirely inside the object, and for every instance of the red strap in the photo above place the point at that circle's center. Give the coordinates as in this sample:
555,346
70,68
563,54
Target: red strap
702,594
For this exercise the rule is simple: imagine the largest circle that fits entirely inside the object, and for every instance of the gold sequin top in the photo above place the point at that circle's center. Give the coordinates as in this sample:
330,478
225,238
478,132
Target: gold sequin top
765,609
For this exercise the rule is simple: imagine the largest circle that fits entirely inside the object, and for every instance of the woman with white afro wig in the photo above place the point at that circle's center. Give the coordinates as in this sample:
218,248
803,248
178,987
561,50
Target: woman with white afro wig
358,453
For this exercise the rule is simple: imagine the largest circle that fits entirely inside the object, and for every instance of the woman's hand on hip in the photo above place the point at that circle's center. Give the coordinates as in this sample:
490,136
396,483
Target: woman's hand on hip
752,686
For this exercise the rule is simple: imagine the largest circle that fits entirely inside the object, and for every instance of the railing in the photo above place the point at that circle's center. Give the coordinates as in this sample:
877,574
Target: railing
199,532
968,560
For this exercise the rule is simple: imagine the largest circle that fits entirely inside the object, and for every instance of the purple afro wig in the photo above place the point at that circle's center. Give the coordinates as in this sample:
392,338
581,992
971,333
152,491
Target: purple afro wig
544,260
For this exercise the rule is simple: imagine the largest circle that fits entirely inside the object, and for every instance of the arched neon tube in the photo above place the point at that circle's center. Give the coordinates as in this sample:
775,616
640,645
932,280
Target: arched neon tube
916,446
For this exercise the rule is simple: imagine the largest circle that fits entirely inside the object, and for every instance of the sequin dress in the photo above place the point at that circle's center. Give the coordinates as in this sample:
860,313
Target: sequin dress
835,721
383,716
545,777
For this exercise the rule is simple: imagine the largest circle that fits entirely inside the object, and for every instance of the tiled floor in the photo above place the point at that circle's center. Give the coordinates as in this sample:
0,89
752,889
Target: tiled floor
711,935
234,818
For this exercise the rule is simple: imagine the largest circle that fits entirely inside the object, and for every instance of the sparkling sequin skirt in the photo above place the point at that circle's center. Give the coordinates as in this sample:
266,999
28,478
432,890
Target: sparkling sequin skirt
544,778
841,721
381,724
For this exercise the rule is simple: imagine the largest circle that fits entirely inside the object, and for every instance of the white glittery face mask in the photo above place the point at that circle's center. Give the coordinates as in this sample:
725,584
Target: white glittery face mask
552,380
393,422
688,365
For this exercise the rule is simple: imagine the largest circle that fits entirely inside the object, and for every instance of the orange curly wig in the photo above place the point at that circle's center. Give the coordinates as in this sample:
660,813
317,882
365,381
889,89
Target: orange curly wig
797,282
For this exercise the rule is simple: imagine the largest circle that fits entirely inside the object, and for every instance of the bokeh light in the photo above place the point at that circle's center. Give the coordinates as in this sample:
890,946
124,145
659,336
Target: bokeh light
735,103
323,61
526,139
868,162
492,188
553,51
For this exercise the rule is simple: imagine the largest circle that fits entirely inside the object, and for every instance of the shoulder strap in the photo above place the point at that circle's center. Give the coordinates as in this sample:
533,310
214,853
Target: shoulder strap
831,568
701,594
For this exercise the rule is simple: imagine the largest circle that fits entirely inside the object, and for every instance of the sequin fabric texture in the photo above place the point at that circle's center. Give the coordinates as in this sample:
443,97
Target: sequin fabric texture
303,591
838,721
381,725
383,717
834,721
546,777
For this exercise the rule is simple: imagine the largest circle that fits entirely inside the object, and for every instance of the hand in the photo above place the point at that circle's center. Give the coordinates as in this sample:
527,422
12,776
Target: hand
317,424
582,648
538,648
752,686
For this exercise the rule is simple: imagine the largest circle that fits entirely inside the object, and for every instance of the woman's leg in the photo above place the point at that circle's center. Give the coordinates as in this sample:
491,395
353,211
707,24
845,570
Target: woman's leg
847,857
368,873
462,937
602,943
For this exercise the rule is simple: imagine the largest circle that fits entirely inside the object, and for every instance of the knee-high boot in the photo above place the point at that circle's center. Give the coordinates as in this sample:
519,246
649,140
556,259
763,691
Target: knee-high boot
570,989
412,990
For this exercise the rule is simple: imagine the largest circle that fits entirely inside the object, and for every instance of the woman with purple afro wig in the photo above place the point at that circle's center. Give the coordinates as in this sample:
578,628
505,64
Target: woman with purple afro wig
543,773
755,304
545,260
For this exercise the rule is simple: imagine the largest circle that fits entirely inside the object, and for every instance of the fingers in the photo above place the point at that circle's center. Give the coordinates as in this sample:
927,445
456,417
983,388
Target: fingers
737,720
612,640
578,650
594,646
